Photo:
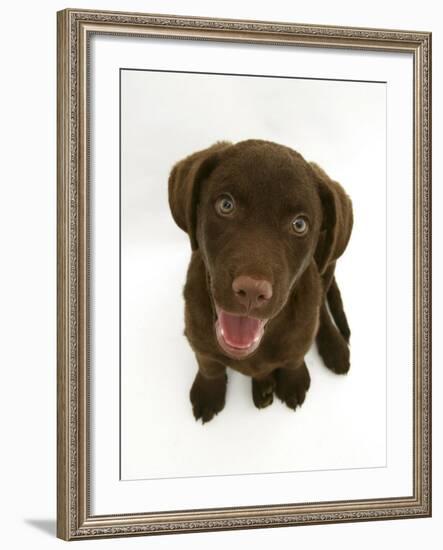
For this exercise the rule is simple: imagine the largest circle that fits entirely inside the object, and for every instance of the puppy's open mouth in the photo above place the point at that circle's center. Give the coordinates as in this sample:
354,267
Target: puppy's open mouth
238,335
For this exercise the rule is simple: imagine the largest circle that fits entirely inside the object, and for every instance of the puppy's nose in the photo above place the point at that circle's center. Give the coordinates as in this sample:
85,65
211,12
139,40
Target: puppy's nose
250,292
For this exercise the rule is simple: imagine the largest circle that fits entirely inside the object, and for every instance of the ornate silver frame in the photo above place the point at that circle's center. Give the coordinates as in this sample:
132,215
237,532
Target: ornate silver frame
74,520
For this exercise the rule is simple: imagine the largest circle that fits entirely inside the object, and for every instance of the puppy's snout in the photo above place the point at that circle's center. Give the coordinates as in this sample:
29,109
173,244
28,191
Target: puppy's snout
252,293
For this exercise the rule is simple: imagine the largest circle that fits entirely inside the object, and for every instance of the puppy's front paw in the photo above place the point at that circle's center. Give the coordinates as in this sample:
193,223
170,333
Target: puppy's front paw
292,385
208,396
263,391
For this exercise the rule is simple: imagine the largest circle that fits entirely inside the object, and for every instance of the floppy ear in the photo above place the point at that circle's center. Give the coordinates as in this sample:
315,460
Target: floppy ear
337,219
184,186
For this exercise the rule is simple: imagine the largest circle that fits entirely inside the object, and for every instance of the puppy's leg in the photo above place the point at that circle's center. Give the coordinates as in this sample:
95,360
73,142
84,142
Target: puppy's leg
334,301
208,391
292,383
332,346
336,307
263,390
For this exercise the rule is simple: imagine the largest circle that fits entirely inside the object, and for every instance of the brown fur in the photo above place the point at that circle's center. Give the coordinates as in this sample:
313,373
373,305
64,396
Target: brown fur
271,184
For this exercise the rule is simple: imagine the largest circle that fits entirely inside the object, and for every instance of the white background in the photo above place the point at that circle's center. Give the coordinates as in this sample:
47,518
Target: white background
342,126
108,495
28,275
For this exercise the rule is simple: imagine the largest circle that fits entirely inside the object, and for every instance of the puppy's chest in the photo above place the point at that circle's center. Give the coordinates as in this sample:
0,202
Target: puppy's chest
255,366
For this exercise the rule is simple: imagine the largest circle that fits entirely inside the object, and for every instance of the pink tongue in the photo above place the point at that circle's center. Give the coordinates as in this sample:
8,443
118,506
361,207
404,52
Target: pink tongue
239,332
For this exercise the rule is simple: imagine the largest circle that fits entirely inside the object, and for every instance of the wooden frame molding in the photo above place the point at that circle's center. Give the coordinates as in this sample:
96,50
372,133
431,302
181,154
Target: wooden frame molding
75,27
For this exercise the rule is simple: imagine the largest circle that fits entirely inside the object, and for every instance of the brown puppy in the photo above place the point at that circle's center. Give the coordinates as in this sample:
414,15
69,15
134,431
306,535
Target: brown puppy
266,228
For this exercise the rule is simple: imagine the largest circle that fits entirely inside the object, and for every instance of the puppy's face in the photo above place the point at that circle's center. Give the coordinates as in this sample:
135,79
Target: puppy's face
258,221
258,213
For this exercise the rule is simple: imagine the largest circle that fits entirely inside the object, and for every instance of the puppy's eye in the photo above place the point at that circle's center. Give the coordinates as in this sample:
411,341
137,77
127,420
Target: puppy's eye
300,225
225,205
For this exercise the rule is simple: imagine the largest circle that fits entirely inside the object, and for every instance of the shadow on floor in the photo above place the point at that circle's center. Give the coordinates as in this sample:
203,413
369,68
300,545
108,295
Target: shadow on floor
46,525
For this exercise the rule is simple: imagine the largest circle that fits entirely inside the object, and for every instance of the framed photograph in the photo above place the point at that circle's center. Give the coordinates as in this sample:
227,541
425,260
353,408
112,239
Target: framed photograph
244,282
